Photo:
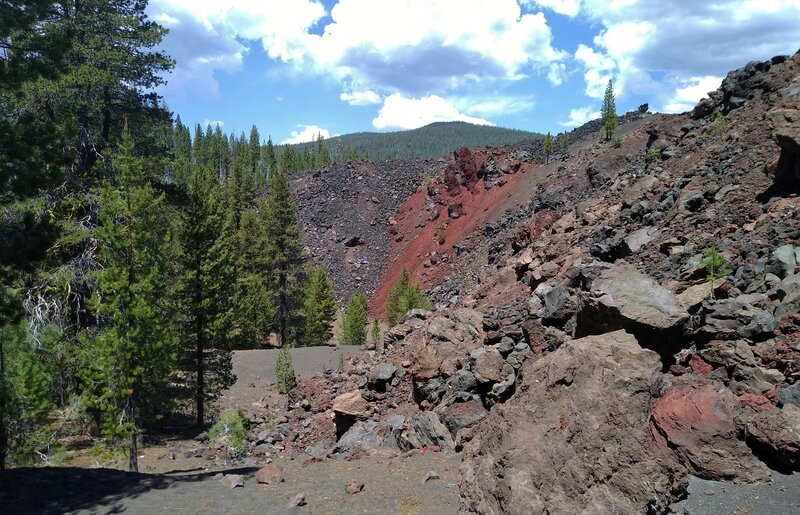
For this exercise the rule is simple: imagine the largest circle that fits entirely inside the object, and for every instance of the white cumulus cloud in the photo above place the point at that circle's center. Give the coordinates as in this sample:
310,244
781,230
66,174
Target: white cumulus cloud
414,47
566,7
360,98
579,116
306,133
400,112
658,48
212,123
687,96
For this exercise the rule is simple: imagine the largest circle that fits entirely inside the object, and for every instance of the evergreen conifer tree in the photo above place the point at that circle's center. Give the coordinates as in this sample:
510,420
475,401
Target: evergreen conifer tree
319,308
128,360
608,111
256,282
354,323
548,147
207,269
284,370
404,296
284,248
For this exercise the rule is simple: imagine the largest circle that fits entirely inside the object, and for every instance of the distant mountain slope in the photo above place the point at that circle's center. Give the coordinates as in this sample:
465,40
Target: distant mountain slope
434,140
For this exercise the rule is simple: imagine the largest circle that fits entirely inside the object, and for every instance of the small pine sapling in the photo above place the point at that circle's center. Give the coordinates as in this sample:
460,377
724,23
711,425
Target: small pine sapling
440,234
375,335
340,364
714,263
284,370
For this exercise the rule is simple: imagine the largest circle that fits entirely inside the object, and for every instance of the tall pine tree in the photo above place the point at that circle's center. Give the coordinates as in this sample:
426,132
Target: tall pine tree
319,308
207,266
130,356
608,112
285,250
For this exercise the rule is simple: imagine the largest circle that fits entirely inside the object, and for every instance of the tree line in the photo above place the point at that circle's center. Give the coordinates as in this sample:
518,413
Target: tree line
134,255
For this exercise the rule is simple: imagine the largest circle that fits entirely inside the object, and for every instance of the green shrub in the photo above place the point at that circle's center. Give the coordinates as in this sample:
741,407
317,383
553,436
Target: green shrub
284,370
230,431
714,263
404,296
616,142
651,155
340,365
354,323
440,234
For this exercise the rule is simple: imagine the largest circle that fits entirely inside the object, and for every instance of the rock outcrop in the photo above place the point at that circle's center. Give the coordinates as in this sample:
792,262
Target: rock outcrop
577,438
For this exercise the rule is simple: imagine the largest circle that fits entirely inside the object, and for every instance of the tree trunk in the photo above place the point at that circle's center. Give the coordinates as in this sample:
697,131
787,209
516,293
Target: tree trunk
282,307
200,377
133,461
3,431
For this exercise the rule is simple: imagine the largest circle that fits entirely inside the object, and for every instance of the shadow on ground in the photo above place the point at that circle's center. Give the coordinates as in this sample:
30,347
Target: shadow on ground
70,489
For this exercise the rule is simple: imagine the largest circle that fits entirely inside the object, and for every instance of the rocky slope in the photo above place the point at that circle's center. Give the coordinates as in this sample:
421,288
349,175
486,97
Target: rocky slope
586,365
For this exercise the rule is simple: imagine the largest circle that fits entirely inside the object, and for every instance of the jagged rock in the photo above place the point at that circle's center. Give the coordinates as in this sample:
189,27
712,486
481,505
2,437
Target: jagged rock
233,480
776,435
696,421
350,404
380,375
361,434
352,241
728,353
623,298
269,475
693,296
558,304
353,487
782,261
426,430
638,239
584,407
463,381
786,131
461,415
789,294
734,318
490,367
790,395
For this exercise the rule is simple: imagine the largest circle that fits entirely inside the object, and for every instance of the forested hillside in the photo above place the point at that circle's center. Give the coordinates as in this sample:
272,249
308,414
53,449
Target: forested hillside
434,140
133,256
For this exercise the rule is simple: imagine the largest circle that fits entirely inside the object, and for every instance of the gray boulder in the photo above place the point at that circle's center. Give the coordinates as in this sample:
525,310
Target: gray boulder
623,298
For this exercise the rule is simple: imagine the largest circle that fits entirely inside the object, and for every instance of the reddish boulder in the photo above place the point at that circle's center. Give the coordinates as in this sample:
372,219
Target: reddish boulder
696,422
351,404
757,402
269,475
575,437
776,435
699,366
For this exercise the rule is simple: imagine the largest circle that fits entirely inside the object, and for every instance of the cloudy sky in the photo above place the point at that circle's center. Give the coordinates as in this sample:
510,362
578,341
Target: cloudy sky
299,67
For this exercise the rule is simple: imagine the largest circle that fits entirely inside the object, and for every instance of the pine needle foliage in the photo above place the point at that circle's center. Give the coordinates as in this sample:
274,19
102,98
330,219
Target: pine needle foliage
404,296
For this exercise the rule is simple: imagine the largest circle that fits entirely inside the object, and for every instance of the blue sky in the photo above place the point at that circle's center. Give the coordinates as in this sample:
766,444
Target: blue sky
300,67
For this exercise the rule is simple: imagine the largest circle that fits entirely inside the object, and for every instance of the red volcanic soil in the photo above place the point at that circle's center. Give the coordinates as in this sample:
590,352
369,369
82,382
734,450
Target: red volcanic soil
419,235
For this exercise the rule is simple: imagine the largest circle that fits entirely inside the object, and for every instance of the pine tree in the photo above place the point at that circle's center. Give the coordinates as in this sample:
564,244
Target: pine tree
284,370
270,163
256,289
564,142
548,147
285,251
129,359
207,267
354,323
608,112
322,156
375,334
404,296
319,308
